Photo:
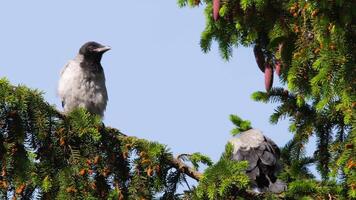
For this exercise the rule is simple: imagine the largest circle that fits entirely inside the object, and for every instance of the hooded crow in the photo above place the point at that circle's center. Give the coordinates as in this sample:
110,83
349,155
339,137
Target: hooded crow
262,155
82,80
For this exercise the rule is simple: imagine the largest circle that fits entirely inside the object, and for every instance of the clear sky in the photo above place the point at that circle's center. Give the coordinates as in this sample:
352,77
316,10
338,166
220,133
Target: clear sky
161,86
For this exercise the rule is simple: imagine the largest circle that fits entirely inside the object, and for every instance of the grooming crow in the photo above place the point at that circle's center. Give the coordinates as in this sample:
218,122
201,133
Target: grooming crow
82,80
262,154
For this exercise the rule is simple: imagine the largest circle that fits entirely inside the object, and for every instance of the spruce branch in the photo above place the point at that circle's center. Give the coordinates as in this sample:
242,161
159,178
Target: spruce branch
176,163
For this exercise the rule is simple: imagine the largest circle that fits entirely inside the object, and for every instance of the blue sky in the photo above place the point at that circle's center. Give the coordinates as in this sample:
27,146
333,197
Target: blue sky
161,86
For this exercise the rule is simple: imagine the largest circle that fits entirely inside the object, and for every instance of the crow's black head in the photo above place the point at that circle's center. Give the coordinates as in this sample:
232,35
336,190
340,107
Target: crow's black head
93,51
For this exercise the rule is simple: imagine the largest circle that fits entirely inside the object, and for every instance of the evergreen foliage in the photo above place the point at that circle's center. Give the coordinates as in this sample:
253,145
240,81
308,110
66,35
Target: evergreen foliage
311,46
224,180
45,155
241,125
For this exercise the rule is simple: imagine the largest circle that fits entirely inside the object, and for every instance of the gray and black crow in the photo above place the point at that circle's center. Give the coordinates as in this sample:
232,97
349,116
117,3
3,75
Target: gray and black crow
262,155
82,80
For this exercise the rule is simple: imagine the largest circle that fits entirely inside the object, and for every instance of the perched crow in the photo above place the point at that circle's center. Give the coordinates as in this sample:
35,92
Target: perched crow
263,155
82,80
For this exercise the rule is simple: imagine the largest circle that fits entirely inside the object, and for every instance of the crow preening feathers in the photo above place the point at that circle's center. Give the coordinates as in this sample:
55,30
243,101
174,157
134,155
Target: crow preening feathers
82,80
262,155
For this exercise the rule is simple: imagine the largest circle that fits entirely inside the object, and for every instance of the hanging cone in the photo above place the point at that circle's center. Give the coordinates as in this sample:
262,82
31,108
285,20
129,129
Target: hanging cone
260,58
278,67
268,77
216,8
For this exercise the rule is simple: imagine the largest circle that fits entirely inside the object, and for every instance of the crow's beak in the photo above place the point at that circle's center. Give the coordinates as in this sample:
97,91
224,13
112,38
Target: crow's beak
102,49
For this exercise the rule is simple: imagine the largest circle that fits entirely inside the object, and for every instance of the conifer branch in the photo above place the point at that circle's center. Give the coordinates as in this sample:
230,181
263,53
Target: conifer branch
184,168
176,163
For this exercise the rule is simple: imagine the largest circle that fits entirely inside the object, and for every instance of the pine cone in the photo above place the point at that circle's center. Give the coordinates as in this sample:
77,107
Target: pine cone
216,8
260,58
268,77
